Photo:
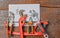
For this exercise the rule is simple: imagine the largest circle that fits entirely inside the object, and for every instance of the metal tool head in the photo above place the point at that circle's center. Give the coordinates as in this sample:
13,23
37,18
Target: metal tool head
21,12
11,14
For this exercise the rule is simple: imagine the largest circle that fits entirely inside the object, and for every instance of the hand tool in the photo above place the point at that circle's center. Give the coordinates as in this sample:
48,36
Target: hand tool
30,27
21,22
42,26
11,21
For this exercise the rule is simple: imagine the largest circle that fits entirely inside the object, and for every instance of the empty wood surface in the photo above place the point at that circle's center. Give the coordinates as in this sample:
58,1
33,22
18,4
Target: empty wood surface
44,3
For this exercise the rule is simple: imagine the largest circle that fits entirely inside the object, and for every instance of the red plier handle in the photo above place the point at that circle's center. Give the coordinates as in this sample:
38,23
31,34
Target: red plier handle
22,20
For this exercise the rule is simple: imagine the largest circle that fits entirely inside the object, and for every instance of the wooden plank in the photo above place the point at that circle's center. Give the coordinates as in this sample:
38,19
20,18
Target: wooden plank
44,3
4,4
3,16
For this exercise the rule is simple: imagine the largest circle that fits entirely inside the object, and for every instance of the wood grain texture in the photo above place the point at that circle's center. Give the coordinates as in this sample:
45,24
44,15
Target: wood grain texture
50,10
44,3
